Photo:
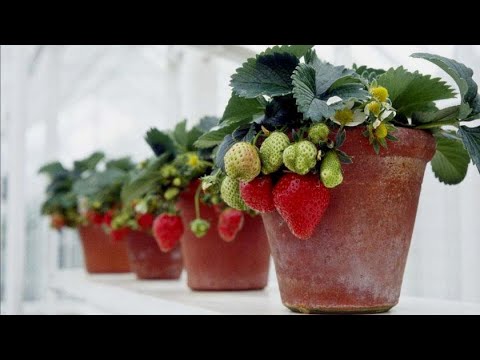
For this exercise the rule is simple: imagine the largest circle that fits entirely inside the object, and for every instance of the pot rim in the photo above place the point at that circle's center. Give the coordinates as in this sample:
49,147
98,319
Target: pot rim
413,143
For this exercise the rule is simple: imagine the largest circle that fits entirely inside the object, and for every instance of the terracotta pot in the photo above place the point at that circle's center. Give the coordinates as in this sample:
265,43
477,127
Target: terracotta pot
101,254
147,261
213,264
356,258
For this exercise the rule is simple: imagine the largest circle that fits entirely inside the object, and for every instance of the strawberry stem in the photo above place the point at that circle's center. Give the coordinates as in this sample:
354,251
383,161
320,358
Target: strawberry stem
197,202
256,138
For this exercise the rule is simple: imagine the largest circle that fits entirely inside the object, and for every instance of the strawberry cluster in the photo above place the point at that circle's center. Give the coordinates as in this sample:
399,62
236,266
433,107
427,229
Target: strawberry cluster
291,177
151,193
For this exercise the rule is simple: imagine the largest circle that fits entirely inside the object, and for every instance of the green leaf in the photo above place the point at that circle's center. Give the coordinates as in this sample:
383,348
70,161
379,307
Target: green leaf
52,169
180,135
343,157
184,139
192,136
413,92
459,72
68,200
329,76
265,75
59,202
450,163
222,149
447,114
296,50
314,84
60,184
340,138
368,73
143,182
215,137
160,142
240,109
350,91
88,164
471,140
474,112
304,93
98,182
206,123
124,164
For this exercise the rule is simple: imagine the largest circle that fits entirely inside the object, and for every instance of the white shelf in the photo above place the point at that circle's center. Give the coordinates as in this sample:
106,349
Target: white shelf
123,294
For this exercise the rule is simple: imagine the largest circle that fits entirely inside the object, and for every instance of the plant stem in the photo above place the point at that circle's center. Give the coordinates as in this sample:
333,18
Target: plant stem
197,202
438,124
256,138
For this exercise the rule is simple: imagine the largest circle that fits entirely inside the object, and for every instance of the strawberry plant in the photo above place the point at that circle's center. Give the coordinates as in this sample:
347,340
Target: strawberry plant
61,203
153,189
99,194
290,113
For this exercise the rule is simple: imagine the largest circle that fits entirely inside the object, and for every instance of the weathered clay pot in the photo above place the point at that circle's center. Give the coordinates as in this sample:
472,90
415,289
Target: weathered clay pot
101,254
356,258
213,264
147,261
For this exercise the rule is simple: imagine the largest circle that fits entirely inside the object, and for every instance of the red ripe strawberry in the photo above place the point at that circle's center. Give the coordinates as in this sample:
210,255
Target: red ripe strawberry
257,194
145,221
57,221
107,218
94,217
230,223
167,230
119,234
301,200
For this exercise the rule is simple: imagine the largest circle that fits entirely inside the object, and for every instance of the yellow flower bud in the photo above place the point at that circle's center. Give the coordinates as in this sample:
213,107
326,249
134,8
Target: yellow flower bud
374,107
381,132
379,93
193,160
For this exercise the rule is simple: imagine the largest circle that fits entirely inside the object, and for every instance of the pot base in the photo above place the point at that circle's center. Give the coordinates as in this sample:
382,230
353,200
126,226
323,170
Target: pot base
148,262
226,288
336,310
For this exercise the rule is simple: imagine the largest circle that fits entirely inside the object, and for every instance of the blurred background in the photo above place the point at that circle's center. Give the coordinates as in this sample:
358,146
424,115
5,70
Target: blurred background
64,102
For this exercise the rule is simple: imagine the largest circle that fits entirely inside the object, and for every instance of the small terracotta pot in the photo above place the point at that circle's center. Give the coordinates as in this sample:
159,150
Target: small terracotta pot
147,261
213,264
101,254
356,258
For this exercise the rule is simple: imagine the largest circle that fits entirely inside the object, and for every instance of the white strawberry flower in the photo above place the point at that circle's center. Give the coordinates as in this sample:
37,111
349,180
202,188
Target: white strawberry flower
141,207
385,114
334,100
349,117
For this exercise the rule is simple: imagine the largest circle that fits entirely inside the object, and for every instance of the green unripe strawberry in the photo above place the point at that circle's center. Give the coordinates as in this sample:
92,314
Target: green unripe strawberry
271,152
300,157
199,227
318,133
230,192
171,193
331,170
242,162
168,171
